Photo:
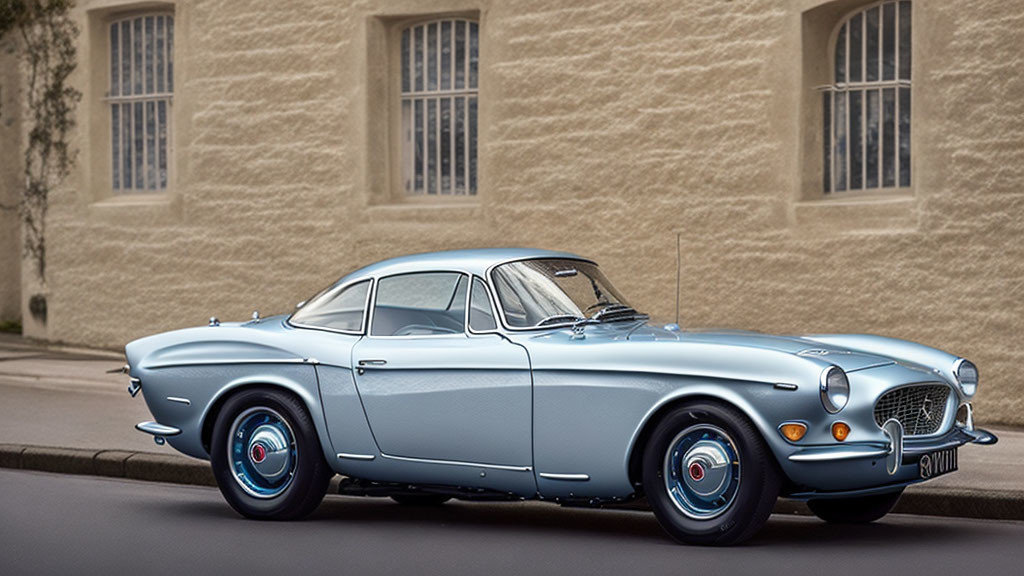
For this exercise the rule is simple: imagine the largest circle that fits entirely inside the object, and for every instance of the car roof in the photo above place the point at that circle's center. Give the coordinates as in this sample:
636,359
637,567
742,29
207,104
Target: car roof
476,261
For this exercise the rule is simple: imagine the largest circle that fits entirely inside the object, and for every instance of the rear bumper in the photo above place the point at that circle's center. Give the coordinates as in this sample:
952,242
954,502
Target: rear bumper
157,429
860,469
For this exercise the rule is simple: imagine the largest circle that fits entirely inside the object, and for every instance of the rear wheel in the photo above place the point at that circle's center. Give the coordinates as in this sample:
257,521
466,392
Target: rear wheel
266,456
860,510
708,475
420,499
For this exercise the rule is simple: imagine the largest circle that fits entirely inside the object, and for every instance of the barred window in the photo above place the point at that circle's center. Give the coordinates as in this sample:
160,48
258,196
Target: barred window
867,108
141,87
439,107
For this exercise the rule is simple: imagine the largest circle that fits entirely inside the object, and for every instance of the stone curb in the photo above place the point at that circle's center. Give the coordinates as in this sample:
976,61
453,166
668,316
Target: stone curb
986,504
111,463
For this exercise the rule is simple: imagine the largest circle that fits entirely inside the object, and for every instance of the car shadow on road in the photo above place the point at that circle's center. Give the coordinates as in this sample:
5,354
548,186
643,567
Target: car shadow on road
502,517
638,525
534,518
809,532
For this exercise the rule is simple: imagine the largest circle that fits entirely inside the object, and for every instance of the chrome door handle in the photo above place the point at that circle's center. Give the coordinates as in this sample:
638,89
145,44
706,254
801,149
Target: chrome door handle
364,363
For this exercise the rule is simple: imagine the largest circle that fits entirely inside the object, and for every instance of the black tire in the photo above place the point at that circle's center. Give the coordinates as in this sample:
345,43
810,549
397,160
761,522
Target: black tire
860,510
310,475
752,498
424,500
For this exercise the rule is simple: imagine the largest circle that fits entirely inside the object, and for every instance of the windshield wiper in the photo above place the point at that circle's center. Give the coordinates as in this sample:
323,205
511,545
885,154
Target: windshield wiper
560,319
597,305
613,312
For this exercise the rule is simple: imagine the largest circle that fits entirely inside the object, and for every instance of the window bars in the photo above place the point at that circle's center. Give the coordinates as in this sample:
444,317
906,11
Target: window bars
867,109
141,87
440,61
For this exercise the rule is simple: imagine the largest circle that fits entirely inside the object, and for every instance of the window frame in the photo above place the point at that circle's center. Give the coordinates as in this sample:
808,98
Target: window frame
364,323
500,307
491,300
863,87
373,306
403,158
108,101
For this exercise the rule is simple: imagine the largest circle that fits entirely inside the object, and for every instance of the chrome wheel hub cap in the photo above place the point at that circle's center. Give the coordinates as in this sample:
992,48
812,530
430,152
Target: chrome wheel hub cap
702,471
270,452
262,452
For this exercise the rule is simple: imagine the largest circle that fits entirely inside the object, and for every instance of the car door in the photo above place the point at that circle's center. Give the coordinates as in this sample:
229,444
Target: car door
435,391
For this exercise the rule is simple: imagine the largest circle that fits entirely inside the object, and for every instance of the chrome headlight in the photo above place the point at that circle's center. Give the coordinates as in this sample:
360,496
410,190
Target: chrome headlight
835,389
967,376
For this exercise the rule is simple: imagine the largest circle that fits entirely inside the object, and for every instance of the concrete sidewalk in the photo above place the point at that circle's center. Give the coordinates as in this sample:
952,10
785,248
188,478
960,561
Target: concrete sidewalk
61,412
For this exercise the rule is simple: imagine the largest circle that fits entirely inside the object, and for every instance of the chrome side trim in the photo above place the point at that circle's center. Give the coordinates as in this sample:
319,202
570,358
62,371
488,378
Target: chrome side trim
831,454
184,401
785,386
566,477
157,429
456,463
356,456
216,362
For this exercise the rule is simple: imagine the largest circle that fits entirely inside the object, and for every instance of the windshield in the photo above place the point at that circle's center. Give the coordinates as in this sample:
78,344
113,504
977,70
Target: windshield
555,292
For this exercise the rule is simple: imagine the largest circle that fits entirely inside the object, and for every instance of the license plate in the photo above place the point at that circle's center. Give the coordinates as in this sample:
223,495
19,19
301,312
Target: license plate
937,463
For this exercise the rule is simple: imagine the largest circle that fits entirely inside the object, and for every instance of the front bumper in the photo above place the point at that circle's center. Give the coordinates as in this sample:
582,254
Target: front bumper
956,437
860,469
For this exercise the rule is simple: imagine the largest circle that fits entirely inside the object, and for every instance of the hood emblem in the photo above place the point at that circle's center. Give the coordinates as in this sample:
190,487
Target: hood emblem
926,408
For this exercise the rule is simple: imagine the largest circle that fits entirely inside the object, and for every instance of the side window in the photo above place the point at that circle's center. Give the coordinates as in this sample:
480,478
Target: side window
343,310
422,304
480,316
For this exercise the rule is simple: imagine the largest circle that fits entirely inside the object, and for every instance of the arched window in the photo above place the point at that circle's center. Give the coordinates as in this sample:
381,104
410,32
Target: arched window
867,108
439,107
141,89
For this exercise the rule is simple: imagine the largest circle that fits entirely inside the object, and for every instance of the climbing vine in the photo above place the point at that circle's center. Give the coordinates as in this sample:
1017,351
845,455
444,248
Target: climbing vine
45,35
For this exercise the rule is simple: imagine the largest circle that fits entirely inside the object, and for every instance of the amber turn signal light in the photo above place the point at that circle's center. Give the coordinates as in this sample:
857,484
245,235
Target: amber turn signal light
793,431
840,430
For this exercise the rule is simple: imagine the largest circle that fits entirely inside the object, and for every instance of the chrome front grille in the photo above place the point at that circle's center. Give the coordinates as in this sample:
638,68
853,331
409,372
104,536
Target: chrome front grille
919,408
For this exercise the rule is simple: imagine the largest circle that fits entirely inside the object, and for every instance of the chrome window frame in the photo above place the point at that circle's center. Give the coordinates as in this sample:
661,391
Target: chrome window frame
364,321
491,300
490,280
373,306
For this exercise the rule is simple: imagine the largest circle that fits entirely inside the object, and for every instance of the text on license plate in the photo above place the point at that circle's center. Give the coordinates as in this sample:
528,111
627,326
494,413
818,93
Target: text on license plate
937,463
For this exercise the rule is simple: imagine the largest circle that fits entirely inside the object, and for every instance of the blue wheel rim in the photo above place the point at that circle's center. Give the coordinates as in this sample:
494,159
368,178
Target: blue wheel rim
702,471
262,452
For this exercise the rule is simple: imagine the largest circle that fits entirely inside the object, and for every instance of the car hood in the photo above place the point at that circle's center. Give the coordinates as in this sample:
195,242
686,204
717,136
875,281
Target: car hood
850,360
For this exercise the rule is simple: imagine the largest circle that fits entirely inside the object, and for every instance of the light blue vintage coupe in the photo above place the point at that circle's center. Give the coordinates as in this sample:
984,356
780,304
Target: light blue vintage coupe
519,374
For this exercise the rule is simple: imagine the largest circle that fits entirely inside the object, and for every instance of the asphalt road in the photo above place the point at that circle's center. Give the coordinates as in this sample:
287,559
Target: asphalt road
55,524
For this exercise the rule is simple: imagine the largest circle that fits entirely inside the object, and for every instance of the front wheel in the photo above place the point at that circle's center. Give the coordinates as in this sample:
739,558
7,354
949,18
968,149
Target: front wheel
860,510
708,475
266,457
